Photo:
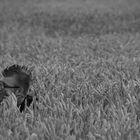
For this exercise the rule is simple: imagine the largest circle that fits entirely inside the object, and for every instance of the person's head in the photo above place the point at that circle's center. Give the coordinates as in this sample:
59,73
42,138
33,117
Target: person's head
18,78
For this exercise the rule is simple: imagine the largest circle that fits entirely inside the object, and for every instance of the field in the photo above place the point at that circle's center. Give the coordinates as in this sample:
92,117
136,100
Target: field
85,56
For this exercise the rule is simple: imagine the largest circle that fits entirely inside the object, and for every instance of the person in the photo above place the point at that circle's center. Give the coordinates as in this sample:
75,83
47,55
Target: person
17,79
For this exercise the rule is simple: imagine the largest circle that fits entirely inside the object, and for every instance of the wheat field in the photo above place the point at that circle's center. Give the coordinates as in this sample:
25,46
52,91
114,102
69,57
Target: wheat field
85,56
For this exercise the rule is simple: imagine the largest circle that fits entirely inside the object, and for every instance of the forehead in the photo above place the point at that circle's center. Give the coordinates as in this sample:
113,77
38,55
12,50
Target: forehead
10,81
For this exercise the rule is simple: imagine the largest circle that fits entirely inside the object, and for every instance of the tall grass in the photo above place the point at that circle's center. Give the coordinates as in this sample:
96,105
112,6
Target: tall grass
87,72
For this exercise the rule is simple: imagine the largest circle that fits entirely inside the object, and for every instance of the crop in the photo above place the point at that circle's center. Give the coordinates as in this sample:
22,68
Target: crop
87,73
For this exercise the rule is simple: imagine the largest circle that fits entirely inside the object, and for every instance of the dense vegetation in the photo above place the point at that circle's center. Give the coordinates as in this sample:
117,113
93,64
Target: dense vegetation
86,64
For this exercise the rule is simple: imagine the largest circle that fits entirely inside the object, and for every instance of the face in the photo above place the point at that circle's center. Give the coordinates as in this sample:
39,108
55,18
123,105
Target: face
11,81
17,81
